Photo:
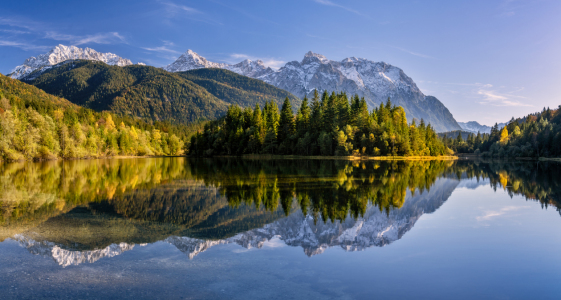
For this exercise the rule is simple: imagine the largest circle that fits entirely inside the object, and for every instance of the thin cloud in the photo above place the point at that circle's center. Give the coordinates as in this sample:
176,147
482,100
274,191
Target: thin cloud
329,3
173,10
496,98
26,24
161,49
99,38
488,215
15,31
412,52
22,45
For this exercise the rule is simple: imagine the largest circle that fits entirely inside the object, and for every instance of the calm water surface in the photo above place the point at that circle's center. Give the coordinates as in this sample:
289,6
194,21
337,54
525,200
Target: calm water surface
173,228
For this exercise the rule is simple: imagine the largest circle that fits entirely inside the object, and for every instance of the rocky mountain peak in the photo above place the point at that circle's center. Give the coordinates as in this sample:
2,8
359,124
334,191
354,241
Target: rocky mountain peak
61,53
190,60
311,57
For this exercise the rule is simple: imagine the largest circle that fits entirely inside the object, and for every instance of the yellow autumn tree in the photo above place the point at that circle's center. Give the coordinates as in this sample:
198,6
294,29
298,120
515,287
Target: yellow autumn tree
109,124
504,135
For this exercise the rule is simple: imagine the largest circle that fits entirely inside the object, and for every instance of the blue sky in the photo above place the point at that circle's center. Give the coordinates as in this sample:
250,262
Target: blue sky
485,60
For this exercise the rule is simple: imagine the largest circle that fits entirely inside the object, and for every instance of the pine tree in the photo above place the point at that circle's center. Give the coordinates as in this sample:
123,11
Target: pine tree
286,123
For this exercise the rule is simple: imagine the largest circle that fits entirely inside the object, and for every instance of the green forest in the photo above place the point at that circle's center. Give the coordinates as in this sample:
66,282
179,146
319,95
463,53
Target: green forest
330,125
35,125
153,93
536,135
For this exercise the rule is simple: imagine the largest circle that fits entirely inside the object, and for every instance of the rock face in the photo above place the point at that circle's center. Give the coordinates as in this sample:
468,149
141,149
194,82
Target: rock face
63,53
473,126
376,81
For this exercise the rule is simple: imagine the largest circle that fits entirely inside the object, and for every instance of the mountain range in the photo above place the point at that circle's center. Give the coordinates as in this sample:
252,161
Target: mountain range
376,81
475,127
63,53
152,93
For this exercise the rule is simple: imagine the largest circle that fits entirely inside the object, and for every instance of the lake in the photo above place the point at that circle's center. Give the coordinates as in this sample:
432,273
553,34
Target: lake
225,228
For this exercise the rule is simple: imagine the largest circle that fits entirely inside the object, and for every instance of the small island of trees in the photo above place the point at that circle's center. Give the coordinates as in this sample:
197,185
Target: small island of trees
329,126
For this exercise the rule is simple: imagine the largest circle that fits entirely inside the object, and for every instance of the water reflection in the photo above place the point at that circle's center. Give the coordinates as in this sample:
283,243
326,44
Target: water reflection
82,211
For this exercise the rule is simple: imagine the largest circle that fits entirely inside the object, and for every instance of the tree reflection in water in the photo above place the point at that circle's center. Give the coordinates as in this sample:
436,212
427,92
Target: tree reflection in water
85,205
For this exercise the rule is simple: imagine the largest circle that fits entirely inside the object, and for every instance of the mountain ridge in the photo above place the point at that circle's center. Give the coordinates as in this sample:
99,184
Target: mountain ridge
150,92
376,81
62,53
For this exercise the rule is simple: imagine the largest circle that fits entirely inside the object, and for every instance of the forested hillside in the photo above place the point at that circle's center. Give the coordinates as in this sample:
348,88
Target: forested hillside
536,135
153,93
36,125
236,89
328,126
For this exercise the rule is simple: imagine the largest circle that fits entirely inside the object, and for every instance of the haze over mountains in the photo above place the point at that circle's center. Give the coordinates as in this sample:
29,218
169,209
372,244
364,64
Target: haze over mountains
376,81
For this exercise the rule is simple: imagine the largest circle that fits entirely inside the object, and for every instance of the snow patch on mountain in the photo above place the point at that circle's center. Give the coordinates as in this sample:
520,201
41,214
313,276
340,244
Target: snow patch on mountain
63,53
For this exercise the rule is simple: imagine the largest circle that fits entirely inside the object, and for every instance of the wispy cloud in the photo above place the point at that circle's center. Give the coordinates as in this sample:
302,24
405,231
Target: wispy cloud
23,45
412,52
21,23
37,30
488,215
99,38
172,10
496,98
13,31
330,3
485,93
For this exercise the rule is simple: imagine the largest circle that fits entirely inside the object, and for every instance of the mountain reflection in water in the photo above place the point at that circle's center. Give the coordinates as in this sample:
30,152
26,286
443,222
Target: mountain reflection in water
82,211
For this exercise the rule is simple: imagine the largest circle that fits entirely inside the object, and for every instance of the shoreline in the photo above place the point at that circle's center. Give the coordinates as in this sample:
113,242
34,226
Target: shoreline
90,158
348,158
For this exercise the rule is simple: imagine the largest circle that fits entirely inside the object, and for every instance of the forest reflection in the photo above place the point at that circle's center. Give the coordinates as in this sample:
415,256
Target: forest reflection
214,194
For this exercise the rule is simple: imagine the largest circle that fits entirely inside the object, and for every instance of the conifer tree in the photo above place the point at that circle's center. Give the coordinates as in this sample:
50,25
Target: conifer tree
286,123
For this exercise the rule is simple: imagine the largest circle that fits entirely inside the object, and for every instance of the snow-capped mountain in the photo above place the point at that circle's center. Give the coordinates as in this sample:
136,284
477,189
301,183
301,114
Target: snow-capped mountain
63,53
376,81
191,61
473,126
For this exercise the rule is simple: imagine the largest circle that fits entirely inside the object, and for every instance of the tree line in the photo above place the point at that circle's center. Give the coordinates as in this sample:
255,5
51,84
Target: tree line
536,135
330,125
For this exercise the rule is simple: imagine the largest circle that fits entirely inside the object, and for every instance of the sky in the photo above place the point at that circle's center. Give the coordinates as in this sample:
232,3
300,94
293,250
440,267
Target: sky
487,61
